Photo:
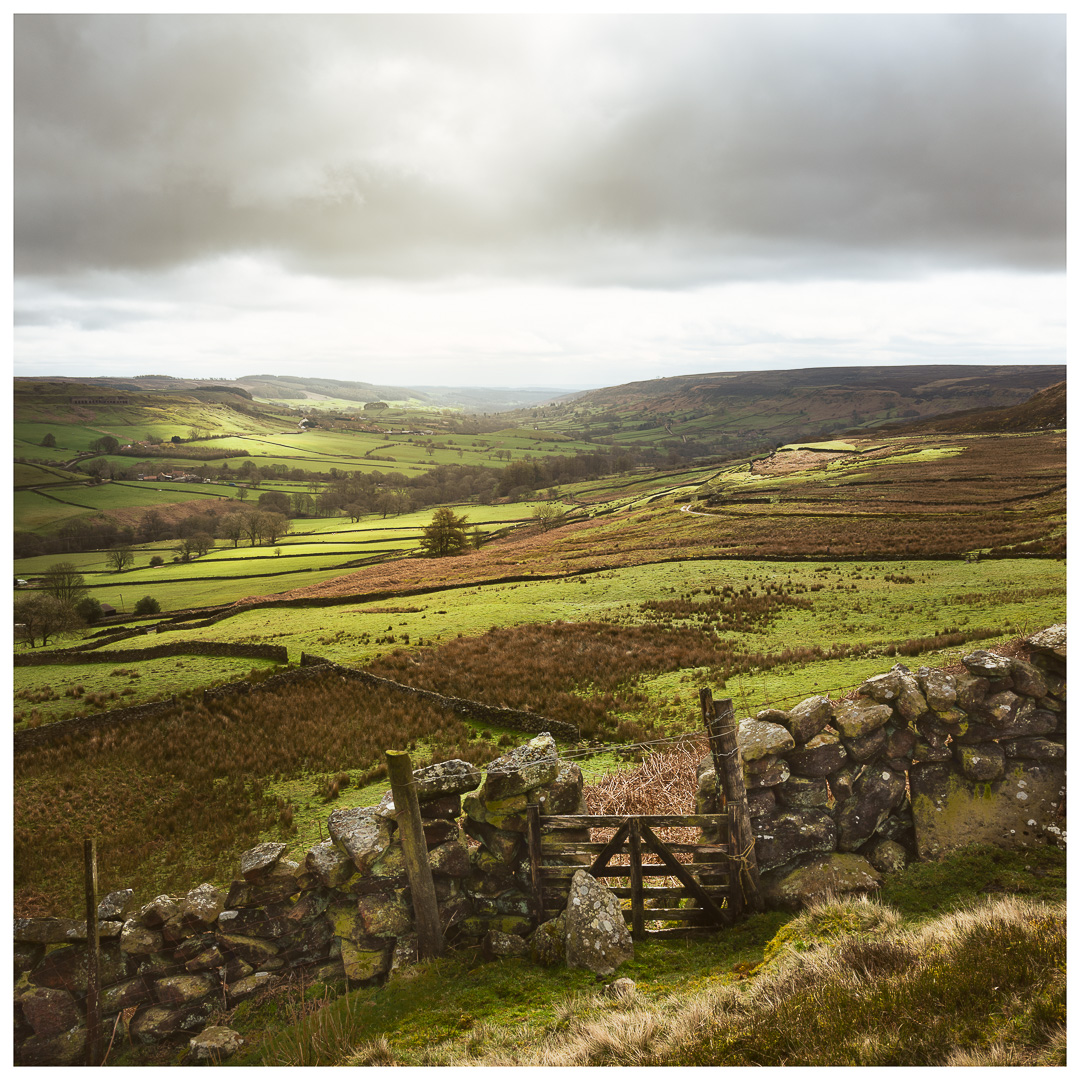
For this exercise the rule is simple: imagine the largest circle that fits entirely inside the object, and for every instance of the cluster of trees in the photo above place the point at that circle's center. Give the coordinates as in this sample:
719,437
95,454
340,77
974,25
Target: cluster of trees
62,606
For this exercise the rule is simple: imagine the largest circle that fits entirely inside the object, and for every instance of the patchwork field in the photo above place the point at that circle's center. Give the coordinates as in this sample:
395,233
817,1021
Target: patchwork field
795,570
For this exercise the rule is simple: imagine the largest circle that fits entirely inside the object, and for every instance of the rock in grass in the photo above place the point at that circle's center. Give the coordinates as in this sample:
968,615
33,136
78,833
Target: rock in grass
548,943
596,935
815,878
215,1044
497,945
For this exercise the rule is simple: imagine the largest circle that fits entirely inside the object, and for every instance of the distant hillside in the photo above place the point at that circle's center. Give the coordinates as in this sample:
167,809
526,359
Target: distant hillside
927,389
472,399
1045,410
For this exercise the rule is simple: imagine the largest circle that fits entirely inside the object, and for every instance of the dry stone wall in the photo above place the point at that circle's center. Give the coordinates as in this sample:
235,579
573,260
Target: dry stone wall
154,652
340,911
917,764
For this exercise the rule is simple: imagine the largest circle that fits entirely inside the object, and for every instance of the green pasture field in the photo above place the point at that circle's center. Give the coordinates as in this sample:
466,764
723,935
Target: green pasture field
34,511
25,475
835,444
334,539
854,604
121,685
70,438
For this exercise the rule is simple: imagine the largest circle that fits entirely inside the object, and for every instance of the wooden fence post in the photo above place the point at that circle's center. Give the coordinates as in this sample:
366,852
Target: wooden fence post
637,894
723,739
407,811
535,856
93,968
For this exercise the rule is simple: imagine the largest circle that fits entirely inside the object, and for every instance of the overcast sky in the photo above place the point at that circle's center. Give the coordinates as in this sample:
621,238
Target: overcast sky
564,201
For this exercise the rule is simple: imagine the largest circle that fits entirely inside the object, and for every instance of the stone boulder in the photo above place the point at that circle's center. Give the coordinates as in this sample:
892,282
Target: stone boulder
802,792
49,1012
938,687
875,794
548,943
215,1044
330,865
596,935
980,761
987,665
853,719
868,746
446,778
203,904
1021,809
360,833
783,836
1028,679
565,794
256,862
765,772
809,717
822,755
818,877
758,739
887,856
497,945
534,765
115,905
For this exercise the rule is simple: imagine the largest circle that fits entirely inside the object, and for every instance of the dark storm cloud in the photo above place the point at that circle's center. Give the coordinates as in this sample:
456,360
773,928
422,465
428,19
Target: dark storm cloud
639,150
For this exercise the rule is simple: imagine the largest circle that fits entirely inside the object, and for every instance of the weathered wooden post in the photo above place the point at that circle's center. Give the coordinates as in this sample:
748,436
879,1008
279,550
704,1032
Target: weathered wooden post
637,891
723,732
407,811
535,855
93,969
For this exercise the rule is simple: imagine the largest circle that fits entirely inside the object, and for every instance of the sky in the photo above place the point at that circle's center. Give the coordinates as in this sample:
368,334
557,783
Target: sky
563,201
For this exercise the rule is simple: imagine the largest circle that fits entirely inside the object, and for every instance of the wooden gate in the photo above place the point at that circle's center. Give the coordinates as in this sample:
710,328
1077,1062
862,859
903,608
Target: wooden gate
721,877
558,849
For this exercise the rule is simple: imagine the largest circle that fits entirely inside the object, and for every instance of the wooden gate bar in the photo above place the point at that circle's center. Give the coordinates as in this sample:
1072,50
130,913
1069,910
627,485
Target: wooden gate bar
613,821
610,848
686,878
535,858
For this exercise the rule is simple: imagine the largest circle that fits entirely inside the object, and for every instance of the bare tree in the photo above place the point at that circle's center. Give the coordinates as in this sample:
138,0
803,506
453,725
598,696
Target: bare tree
64,582
254,523
44,617
233,528
119,558
274,525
